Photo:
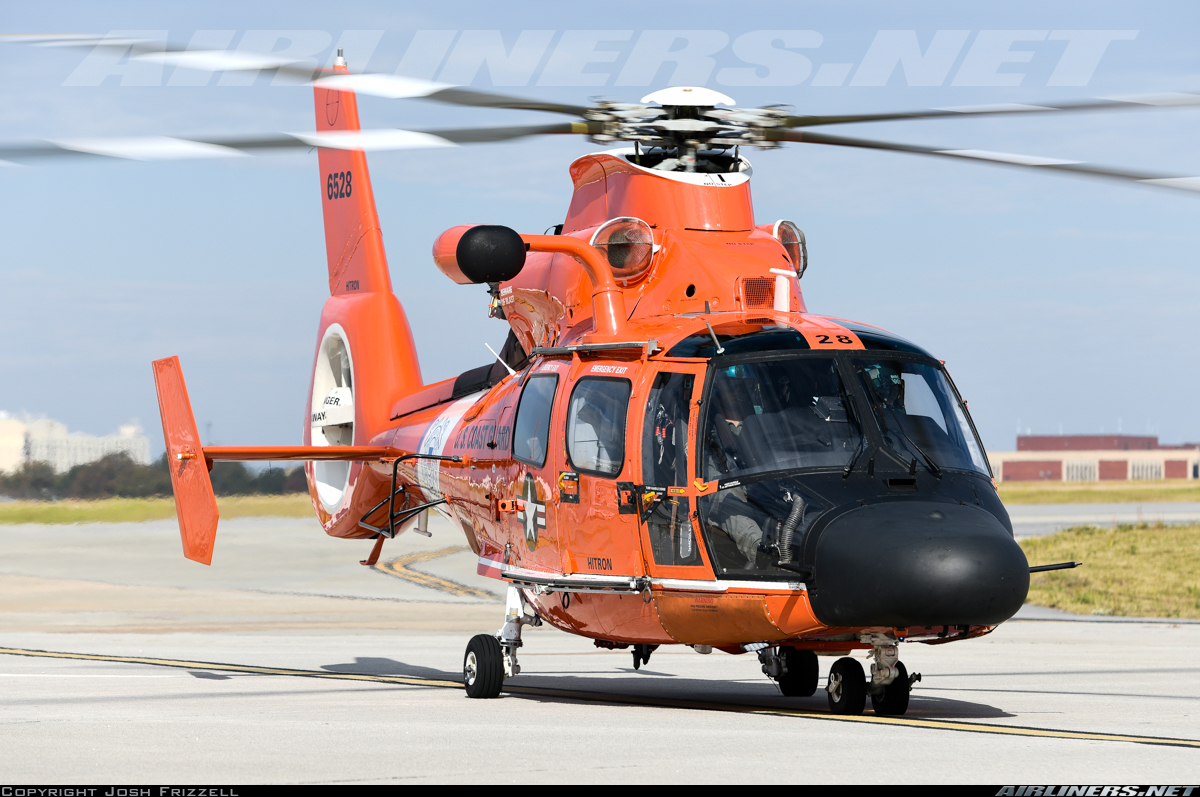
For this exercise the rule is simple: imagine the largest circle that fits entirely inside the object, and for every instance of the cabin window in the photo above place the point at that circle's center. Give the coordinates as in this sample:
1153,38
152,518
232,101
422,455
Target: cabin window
596,425
664,465
531,436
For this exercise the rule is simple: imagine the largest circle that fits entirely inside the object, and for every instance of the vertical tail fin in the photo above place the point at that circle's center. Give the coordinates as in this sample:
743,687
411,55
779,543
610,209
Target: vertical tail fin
195,504
370,326
353,242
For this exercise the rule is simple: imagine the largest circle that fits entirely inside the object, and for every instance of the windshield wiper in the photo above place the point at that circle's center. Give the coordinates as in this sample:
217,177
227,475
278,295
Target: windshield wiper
854,415
881,412
929,463
858,452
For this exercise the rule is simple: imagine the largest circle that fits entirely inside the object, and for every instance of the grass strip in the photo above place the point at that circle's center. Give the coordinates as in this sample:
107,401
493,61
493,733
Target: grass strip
1099,492
1133,570
134,510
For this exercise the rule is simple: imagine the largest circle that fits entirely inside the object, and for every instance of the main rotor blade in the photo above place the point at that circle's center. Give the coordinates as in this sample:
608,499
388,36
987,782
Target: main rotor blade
375,84
1109,104
998,158
156,148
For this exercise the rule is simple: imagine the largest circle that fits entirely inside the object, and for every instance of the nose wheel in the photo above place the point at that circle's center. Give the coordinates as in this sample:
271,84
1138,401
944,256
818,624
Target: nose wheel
847,687
847,690
892,700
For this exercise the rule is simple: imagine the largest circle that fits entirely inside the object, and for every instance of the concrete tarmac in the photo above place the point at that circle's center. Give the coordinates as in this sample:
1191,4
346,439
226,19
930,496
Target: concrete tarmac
1038,701
1033,520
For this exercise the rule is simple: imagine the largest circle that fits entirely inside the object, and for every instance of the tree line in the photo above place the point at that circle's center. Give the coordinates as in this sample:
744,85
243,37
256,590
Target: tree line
118,476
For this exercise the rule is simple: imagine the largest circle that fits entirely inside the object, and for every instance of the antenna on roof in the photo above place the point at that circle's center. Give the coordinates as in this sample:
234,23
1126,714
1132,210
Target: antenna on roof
511,372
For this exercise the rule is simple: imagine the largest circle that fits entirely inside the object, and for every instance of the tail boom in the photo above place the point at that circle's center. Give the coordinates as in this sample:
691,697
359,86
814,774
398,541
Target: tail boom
302,453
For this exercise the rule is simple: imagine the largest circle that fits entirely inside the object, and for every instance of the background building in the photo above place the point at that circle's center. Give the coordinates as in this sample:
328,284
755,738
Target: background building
24,439
1089,458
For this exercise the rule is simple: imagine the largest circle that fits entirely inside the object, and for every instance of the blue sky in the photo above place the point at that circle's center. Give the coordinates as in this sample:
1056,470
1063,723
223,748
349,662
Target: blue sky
1058,303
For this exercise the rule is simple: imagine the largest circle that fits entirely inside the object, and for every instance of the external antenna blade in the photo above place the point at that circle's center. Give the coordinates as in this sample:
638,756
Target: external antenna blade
511,372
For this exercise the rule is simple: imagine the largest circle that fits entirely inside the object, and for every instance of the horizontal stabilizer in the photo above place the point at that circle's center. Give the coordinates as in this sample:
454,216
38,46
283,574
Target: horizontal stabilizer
195,504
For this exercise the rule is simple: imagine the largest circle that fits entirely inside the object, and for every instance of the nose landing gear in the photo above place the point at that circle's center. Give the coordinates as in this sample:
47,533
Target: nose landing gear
893,699
889,687
847,687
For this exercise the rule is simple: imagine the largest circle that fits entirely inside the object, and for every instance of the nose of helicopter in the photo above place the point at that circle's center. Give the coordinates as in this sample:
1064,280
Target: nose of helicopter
917,564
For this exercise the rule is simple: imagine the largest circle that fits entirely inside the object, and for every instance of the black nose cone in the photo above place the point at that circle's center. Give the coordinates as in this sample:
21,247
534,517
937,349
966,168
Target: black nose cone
916,563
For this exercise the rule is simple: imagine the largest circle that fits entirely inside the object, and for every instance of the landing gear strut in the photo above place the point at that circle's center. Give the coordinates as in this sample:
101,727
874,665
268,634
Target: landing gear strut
492,658
641,655
893,698
890,682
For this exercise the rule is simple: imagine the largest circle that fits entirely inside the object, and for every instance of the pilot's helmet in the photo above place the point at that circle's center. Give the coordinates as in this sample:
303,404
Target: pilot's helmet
888,384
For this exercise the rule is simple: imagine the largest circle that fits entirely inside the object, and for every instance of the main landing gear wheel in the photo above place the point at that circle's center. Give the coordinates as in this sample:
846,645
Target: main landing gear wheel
801,672
483,666
847,688
894,699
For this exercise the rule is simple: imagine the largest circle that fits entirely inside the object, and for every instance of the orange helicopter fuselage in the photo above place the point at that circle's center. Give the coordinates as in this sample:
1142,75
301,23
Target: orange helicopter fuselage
712,265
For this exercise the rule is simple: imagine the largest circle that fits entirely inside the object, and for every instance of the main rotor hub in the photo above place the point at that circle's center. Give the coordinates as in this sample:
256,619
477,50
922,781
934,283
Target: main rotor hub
685,120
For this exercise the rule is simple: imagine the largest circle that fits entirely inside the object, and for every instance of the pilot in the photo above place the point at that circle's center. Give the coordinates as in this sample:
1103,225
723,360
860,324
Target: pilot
887,385
729,510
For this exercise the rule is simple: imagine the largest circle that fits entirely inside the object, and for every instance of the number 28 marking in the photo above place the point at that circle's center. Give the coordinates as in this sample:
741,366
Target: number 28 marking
824,340
338,185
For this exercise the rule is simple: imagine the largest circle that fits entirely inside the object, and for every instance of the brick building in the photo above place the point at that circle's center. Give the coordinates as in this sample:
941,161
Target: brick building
1089,458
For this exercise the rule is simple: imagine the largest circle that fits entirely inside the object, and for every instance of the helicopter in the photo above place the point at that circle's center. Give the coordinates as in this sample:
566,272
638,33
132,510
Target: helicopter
670,449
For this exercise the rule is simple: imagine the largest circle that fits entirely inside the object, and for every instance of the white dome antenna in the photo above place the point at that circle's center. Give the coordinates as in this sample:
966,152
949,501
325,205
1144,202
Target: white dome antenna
688,95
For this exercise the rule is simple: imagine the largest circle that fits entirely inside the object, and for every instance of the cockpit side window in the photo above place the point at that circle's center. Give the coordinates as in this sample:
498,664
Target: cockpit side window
596,425
532,433
665,439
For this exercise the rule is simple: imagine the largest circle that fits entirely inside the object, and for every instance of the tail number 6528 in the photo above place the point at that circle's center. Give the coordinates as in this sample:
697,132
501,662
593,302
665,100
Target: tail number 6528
338,185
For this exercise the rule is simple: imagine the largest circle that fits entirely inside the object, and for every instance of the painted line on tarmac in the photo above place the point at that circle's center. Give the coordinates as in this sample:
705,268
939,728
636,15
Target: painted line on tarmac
242,668
401,568
632,700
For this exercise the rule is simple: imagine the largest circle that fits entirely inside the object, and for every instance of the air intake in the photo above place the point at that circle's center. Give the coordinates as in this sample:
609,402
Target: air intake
758,293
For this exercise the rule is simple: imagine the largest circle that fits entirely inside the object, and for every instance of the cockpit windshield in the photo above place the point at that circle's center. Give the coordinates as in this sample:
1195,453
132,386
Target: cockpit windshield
919,414
779,414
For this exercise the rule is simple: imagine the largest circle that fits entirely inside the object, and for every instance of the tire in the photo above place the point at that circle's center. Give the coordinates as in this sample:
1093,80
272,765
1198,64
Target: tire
848,687
802,674
894,700
483,667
